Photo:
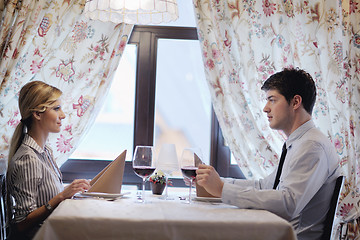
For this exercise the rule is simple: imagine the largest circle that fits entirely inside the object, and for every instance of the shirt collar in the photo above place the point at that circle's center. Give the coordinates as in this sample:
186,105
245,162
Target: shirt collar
29,141
299,132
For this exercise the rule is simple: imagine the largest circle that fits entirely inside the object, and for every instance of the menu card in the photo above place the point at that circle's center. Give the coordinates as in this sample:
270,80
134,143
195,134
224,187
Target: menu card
197,160
200,191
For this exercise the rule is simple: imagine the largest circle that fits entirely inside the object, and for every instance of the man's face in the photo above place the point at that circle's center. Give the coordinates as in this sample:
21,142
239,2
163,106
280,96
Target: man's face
279,111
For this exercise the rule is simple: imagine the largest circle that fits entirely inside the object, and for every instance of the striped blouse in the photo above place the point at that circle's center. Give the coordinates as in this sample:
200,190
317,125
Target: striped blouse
33,178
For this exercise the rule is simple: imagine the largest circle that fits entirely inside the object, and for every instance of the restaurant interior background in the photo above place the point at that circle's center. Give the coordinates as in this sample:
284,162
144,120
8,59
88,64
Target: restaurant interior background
193,82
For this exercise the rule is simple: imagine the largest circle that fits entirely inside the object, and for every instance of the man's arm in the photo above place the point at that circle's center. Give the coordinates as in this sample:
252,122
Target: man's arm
303,176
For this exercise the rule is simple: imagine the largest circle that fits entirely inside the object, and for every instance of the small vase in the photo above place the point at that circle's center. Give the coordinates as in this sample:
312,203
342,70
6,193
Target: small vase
157,188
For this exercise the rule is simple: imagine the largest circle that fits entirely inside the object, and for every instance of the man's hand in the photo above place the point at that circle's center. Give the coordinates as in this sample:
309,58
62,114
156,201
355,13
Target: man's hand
208,178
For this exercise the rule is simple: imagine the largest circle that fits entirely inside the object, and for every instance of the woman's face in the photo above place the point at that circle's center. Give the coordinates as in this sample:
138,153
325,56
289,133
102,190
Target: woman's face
51,118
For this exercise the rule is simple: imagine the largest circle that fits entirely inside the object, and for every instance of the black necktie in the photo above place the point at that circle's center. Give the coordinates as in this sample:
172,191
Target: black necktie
281,163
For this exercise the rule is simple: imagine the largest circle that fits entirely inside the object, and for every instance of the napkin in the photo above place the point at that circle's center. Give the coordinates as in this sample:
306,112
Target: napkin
109,180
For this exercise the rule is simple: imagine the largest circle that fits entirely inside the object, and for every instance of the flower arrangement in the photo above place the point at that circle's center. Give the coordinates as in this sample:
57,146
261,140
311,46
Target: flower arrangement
159,177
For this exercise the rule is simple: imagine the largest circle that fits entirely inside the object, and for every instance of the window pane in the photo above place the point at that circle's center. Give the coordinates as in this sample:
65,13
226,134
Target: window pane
233,160
113,131
186,15
182,102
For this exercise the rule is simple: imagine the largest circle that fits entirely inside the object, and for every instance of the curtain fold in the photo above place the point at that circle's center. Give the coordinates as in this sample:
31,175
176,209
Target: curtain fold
244,42
53,42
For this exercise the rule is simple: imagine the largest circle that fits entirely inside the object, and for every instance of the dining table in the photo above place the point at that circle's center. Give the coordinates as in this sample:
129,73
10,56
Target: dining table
125,217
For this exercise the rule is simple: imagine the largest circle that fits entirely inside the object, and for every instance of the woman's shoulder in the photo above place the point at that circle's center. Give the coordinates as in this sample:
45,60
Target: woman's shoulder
25,154
24,160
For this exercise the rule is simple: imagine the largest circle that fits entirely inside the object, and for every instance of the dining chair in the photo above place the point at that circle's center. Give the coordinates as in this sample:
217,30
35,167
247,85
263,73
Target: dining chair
329,221
3,208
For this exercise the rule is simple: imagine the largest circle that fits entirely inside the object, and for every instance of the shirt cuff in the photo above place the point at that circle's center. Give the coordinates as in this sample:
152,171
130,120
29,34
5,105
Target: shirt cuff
228,193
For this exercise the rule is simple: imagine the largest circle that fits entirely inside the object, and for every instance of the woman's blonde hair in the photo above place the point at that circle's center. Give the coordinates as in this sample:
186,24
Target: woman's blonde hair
34,96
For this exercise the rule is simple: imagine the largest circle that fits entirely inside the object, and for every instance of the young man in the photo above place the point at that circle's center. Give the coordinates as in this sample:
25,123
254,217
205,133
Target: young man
303,192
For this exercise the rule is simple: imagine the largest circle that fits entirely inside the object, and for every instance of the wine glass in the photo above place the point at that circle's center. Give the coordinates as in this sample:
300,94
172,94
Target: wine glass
167,162
190,159
143,164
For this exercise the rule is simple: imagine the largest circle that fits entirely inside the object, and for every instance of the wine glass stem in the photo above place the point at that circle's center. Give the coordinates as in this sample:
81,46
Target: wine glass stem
191,183
143,190
166,187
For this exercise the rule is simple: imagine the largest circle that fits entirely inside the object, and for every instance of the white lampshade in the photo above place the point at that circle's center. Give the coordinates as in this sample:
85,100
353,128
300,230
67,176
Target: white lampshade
167,160
132,11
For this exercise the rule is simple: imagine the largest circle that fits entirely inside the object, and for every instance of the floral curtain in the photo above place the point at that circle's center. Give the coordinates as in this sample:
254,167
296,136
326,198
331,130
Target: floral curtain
53,42
244,42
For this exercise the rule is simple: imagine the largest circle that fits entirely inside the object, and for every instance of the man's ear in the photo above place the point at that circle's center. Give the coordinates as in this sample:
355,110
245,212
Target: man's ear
297,101
36,115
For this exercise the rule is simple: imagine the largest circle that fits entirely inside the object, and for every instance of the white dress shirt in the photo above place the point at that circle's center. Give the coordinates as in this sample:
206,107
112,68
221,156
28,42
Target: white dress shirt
306,183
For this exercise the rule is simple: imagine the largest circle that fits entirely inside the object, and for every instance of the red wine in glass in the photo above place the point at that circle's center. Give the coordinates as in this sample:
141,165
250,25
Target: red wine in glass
144,171
189,171
143,165
190,159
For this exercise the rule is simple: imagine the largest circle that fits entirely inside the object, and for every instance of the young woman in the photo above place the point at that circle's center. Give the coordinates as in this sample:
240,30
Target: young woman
34,181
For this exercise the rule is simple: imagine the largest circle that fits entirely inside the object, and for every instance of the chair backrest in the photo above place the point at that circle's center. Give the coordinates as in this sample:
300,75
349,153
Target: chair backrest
2,208
329,221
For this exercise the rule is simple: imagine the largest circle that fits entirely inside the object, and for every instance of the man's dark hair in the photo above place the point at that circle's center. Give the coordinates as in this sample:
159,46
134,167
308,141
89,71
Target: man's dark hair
291,82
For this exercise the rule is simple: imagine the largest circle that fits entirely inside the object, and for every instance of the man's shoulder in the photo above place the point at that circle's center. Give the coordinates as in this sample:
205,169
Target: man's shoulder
307,132
312,138
315,138
319,136
316,134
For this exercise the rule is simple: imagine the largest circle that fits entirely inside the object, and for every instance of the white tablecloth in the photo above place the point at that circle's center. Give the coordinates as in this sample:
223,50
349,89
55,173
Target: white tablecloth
160,219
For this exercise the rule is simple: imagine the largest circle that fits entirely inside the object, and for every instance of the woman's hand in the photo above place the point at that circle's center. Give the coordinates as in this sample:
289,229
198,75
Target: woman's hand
208,178
78,185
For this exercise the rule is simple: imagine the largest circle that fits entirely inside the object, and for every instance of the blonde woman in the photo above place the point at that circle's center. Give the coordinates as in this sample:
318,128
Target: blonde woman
34,181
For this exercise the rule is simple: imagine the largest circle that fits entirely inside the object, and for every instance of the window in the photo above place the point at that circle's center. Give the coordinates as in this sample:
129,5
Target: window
163,91
182,99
